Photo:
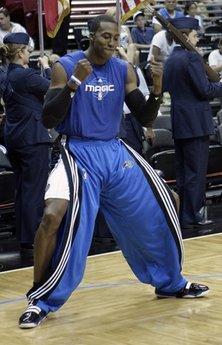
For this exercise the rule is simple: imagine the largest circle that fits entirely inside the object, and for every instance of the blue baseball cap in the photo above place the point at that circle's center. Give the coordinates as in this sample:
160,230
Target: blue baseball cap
185,23
17,37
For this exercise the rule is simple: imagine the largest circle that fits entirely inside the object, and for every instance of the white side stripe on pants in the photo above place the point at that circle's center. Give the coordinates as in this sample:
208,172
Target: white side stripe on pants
164,195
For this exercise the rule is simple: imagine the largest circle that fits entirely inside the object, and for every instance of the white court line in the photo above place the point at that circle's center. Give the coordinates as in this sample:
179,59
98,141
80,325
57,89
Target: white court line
114,252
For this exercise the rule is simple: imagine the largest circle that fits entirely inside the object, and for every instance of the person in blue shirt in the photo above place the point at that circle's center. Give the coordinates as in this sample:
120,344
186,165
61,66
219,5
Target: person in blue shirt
192,122
141,35
26,139
170,11
96,171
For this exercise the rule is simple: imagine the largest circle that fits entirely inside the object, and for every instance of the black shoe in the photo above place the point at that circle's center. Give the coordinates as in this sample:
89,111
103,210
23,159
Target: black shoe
190,290
32,317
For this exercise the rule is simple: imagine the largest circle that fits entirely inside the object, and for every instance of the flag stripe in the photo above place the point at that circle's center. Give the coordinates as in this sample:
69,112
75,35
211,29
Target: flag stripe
129,7
125,6
55,12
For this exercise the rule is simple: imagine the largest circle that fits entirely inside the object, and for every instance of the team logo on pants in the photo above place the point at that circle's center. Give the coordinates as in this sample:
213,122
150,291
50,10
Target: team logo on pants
99,87
128,164
84,174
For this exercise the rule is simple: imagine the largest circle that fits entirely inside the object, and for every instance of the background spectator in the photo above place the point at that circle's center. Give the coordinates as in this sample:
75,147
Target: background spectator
141,35
202,8
6,26
162,46
168,12
215,58
190,10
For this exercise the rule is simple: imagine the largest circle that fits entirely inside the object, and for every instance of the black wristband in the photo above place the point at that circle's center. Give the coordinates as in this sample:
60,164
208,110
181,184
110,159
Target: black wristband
144,111
56,106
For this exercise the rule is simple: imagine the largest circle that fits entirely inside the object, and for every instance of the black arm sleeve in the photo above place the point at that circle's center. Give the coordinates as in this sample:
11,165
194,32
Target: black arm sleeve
144,111
56,106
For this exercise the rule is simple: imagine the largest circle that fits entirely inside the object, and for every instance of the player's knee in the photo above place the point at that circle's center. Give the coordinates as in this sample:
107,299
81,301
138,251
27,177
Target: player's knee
53,215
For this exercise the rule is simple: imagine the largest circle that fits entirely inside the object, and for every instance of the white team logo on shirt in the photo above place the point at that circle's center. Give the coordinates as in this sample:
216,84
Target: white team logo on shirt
99,88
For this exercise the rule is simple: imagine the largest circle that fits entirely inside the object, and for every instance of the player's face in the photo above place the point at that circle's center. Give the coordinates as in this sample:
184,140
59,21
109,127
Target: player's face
193,37
105,40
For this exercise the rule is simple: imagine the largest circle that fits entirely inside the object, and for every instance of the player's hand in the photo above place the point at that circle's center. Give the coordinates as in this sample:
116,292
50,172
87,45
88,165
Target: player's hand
121,52
149,134
156,69
83,69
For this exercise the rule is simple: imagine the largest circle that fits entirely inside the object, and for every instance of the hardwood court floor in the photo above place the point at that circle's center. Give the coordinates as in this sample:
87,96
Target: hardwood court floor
112,308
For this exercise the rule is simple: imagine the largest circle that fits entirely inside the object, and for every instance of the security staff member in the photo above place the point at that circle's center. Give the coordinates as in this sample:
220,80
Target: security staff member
186,81
26,139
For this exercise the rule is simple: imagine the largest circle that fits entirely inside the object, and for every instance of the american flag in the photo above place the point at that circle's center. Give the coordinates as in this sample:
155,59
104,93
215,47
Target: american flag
55,11
129,7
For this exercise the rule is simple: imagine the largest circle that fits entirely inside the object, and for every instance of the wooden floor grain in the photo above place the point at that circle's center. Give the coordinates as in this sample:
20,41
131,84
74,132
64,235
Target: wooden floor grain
111,307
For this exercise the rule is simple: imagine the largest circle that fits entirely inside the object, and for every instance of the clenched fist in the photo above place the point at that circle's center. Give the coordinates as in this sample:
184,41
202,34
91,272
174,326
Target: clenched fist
83,69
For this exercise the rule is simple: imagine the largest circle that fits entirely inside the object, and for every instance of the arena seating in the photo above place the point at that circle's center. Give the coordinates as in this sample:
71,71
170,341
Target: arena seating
81,12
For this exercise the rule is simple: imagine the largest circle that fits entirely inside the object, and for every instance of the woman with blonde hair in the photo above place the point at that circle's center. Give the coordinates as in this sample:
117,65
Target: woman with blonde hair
27,141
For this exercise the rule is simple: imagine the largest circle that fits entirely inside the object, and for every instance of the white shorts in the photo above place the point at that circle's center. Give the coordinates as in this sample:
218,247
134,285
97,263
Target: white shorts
57,185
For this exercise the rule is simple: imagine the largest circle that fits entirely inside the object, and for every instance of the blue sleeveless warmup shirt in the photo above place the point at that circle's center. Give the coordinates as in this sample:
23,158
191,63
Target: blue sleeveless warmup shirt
97,105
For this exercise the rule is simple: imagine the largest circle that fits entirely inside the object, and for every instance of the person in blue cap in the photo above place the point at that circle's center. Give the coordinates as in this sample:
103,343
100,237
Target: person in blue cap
27,140
192,123
98,170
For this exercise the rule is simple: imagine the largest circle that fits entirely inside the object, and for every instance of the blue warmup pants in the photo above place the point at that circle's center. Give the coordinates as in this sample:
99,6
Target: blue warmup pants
138,208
